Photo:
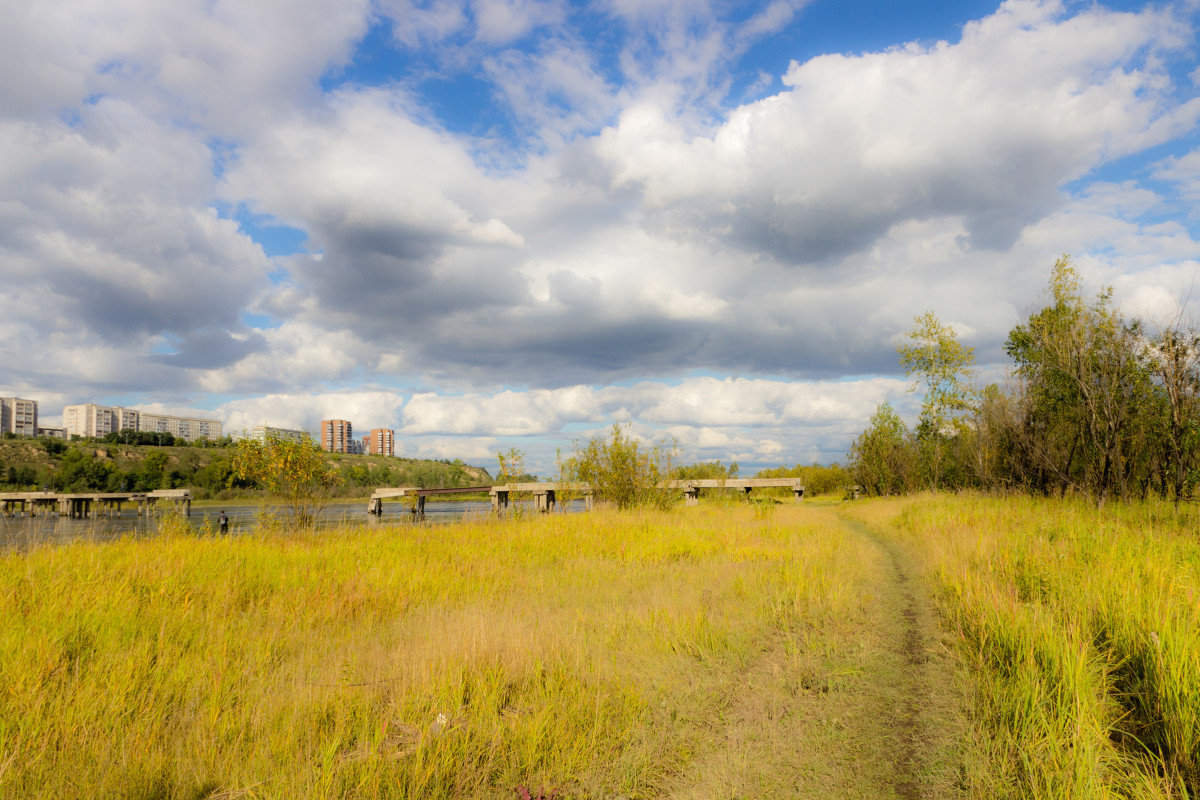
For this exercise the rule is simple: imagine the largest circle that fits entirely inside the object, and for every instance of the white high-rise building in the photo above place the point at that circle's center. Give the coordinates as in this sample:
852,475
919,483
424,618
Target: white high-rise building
18,416
89,419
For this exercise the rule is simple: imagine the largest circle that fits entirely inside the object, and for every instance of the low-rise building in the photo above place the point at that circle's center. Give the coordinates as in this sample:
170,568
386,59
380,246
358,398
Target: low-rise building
89,419
260,433
189,428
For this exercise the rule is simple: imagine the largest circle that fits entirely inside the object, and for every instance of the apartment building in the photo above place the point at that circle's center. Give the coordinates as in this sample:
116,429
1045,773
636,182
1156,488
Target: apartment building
381,442
18,416
189,428
337,436
260,433
89,419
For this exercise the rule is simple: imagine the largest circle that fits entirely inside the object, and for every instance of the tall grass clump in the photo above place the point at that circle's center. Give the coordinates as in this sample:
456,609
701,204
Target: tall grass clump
1083,626
589,654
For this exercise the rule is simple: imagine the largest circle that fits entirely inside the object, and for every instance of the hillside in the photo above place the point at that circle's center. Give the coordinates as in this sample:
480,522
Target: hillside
208,471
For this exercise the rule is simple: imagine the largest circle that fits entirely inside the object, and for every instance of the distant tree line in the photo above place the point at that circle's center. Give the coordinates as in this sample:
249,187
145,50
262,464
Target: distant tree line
817,478
161,439
1100,405
80,466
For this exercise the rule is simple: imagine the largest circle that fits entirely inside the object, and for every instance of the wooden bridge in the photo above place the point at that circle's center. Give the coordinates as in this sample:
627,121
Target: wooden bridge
691,488
546,495
91,504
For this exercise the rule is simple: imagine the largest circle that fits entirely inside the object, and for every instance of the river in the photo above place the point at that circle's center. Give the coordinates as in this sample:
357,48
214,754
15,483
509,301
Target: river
19,532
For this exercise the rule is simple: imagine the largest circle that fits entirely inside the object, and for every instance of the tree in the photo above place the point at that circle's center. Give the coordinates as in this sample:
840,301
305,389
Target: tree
986,442
881,458
296,472
619,471
706,471
1086,384
817,479
936,358
512,467
1174,360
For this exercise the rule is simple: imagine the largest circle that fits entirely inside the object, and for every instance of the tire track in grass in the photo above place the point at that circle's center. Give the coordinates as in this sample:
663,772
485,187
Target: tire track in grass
864,708
927,723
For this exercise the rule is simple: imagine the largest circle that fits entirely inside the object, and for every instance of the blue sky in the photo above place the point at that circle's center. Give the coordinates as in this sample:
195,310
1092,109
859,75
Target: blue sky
497,223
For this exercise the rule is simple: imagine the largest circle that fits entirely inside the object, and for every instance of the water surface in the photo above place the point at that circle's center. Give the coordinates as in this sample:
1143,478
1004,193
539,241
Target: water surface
26,531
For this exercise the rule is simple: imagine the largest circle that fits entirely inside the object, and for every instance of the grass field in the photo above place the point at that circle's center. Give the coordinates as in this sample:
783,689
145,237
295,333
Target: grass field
925,647
1082,627
590,654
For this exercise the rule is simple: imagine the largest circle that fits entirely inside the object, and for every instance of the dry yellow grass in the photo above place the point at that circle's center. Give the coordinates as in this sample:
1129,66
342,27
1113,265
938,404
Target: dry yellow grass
589,653
1083,630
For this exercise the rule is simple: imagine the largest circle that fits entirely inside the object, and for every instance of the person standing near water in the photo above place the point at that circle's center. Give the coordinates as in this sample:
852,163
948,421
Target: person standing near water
223,522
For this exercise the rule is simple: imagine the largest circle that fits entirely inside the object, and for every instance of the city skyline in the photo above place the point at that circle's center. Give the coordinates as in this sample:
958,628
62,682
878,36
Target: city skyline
488,224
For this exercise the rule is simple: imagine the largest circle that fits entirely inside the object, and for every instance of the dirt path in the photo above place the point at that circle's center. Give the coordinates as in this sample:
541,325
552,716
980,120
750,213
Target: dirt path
866,710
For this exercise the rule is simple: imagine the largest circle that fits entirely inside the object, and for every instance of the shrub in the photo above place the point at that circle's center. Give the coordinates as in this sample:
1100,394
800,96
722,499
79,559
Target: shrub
621,472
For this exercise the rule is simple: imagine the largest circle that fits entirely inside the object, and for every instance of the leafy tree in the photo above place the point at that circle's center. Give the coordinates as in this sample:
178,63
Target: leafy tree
1173,358
986,445
130,436
296,472
1087,385
707,471
934,355
152,474
79,471
512,467
22,476
881,458
620,472
817,479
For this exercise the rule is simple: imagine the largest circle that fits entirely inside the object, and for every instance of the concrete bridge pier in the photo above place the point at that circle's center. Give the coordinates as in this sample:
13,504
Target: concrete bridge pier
79,507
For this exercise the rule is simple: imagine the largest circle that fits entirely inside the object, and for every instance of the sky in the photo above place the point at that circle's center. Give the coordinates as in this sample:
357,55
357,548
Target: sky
512,223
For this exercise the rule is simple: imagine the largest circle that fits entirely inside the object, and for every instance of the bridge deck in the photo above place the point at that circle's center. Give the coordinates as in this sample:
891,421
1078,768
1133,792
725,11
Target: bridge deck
79,504
545,493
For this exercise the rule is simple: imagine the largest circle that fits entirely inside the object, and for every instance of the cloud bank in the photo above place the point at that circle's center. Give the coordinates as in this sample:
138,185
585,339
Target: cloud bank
521,221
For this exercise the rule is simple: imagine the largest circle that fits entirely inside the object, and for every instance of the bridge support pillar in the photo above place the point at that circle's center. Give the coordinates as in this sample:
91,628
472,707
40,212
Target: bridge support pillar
544,501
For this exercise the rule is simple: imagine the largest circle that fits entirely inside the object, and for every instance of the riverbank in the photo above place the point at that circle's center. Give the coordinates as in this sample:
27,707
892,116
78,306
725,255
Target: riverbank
588,653
937,646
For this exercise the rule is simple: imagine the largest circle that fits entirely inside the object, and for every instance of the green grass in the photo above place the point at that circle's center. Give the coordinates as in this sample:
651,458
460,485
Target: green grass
1083,629
590,653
